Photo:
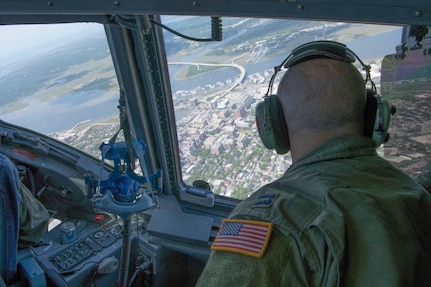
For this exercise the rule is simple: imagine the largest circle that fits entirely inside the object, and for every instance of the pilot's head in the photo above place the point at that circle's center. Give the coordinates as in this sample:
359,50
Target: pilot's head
322,98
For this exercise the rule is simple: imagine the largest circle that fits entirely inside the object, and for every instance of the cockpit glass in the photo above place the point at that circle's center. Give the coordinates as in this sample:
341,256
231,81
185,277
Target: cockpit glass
216,86
59,80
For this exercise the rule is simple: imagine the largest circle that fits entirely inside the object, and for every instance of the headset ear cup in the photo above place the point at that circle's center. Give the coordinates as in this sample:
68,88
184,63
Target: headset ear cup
370,114
377,118
271,124
264,125
383,118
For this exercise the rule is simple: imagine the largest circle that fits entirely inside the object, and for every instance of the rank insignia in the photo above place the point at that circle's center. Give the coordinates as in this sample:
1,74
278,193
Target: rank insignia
265,200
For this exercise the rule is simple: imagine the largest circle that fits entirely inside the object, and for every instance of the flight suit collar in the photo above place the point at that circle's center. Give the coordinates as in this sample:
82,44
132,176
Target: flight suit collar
340,147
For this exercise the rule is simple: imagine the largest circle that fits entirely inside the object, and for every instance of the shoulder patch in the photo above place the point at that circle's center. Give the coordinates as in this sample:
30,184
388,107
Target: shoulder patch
248,237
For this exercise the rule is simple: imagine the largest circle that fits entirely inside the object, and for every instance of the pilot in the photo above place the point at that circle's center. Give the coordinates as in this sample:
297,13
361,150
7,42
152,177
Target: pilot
33,217
340,215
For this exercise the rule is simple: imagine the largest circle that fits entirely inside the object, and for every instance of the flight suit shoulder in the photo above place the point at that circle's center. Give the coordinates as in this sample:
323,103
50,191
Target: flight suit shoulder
282,261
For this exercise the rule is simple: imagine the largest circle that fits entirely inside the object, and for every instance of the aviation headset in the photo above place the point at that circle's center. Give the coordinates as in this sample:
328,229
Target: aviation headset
270,120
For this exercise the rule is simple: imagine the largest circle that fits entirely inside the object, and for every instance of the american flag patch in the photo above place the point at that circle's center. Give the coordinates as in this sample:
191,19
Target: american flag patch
243,236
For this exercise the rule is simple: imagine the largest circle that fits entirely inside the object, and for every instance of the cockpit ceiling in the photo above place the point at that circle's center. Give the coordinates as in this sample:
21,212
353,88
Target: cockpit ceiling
412,12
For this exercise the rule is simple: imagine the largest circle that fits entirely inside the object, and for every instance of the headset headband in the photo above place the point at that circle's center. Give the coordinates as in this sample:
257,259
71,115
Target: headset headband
320,49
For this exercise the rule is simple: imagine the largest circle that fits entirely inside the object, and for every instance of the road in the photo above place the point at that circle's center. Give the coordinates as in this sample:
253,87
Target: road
233,65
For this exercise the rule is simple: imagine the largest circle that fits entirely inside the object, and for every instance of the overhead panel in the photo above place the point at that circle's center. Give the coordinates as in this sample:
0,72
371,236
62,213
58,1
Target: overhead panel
390,12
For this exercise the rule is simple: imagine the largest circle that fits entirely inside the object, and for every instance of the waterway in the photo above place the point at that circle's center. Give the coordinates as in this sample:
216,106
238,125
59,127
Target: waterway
387,42
64,112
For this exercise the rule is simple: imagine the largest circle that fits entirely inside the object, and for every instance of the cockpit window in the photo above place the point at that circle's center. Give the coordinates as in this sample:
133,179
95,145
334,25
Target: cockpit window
59,80
217,85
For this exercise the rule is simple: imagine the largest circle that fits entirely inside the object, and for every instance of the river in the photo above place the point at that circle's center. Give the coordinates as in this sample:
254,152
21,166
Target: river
387,42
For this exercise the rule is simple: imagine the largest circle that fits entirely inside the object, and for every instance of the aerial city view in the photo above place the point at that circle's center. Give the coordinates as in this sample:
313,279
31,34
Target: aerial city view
215,88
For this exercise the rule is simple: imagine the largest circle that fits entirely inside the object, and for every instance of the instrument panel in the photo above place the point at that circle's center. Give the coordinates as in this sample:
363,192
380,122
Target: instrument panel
86,247
70,264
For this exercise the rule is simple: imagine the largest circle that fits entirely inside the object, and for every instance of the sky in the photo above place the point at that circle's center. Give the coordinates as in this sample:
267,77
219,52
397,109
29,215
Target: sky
21,41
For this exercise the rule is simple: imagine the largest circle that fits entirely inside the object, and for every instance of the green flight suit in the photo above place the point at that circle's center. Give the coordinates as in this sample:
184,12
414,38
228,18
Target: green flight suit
342,216
34,219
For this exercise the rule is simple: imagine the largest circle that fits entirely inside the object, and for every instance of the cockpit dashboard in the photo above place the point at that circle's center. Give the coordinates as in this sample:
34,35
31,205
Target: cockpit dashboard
83,245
